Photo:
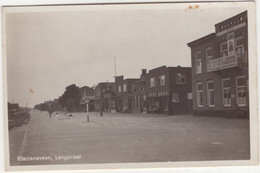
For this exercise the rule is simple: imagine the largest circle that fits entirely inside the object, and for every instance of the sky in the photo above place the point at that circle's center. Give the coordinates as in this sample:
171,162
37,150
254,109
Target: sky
50,48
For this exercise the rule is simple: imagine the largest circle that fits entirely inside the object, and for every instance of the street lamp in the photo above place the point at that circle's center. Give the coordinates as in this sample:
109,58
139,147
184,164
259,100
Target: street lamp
101,103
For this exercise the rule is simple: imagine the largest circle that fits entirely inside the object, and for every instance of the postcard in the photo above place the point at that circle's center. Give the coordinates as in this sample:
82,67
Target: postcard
119,86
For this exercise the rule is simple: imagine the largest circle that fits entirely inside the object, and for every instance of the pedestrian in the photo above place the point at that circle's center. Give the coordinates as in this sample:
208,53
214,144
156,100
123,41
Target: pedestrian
49,113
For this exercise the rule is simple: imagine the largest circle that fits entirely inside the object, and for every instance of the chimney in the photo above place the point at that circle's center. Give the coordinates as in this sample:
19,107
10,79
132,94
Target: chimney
143,72
119,78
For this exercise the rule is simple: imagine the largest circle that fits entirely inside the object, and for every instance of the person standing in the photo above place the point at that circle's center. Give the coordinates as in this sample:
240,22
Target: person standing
49,111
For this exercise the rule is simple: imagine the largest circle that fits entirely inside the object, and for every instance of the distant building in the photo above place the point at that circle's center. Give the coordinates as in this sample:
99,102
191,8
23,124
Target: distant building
13,106
124,93
86,93
220,69
168,90
101,94
109,99
139,101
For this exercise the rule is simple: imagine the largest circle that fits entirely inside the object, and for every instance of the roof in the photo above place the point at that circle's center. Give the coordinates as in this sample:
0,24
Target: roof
202,39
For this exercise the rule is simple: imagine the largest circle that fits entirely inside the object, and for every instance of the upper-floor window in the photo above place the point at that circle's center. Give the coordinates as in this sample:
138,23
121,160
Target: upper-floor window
230,43
124,87
223,49
180,78
162,80
119,89
152,82
209,53
239,45
198,62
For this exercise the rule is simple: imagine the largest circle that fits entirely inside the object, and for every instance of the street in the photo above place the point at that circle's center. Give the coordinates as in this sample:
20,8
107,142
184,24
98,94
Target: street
125,137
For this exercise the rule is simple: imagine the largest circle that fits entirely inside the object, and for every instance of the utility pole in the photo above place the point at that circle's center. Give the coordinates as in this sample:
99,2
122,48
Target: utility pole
115,64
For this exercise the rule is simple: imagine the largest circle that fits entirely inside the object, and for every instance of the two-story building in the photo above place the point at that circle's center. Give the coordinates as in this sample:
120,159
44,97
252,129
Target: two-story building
124,93
220,70
168,90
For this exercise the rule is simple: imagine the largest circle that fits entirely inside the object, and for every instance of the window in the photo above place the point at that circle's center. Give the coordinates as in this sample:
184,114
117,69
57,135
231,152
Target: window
239,45
124,87
241,90
175,97
226,92
209,53
223,49
119,89
210,93
199,94
162,80
180,78
231,43
198,62
152,82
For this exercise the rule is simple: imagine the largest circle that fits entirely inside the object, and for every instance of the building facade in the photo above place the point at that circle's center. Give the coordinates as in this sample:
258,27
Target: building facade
140,94
220,70
124,94
86,93
168,90
109,100
100,93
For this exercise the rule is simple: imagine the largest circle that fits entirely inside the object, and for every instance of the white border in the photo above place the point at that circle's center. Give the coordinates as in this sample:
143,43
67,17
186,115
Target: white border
253,63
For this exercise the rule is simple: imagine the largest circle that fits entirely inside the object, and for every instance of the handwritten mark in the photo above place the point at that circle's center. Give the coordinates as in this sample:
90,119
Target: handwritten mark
31,91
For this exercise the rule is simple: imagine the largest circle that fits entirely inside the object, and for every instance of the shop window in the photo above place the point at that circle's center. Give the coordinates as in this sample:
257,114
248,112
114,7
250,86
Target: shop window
226,92
241,90
199,94
210,93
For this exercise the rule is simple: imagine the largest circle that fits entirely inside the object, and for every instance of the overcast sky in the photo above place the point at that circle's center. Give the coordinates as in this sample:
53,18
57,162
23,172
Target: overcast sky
47,51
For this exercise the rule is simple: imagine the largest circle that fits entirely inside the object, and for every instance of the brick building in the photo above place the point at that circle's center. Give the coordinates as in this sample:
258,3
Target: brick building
124,91
220,69
86,93
139,94
109,99
100,93
167,90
